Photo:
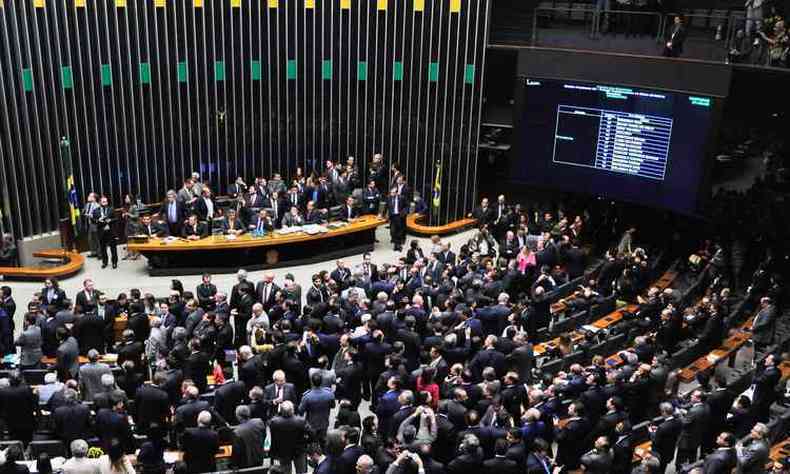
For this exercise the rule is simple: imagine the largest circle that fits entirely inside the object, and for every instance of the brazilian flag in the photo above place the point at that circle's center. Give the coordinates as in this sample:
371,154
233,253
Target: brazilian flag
71,188
437,186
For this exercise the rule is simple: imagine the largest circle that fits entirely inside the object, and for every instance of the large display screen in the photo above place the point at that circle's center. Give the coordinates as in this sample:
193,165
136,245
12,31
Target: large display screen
639,145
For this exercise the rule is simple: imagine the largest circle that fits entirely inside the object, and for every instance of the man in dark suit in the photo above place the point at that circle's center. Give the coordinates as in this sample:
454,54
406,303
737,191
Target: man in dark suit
500,464
371,197
232,224
570,438
18,406
539,460
674,46
446,256
200,446
314,214
764,324
72,420
293,218
482,213
152,404
766,378
88,297
103,216
724,459
152,228
197,366
665,436
194,229
89,330
227,397
266,291
206,292
349,211
205,207
289,434
173,213
396,209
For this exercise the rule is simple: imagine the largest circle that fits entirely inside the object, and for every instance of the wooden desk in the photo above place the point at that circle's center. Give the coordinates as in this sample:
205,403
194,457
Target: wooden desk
728,350
106,358
413,225
641,450
578,335
222,255
72,263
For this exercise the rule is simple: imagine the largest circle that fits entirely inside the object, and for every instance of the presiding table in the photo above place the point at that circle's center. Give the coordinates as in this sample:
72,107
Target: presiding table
220,254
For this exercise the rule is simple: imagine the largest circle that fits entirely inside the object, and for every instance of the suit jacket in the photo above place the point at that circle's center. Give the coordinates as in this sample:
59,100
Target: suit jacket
765,386
200,229
152,405
316,405
721,461
270,299
200,446
754,457
86,301
30,342
227,398
197,368
201,208
155,229
314,217
205,295
693,426
397,205
236,225
180,212
348,213
89,331
72,421
270,394
764,325
596,462
289,436
570,440
678,38
90,379
248,440
289,220
68,353
18,406
665,439
57,298
500,465
537,465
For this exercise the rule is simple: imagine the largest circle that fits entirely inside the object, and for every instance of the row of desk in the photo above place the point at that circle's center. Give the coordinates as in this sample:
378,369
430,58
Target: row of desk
662,283
728,350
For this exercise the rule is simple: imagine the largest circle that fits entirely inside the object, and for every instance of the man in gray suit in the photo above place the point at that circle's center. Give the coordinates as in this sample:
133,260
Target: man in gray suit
91,374
30,342
248,439
764,324
753,455
68,364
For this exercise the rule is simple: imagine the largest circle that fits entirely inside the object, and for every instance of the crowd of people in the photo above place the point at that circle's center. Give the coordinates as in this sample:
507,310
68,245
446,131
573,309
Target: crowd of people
438,347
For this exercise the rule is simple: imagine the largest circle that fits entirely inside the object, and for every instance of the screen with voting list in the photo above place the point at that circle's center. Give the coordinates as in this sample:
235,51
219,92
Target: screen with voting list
627,143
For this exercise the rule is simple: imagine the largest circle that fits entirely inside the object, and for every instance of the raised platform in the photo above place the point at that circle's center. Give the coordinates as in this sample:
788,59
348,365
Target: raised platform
414,227
219,255
72,263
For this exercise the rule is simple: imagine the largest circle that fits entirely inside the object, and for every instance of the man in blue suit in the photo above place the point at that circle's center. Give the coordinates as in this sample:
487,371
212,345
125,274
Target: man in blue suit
316,405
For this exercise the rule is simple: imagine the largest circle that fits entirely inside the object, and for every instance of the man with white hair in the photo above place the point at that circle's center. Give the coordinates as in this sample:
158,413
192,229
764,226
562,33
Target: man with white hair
79,462
266,290
365,465
51,385
201,445
279,392
91,374
259,318
753,455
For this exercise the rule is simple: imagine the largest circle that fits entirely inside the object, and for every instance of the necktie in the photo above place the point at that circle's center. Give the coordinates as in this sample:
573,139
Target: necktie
395,198
260,225
172,212
315,195
279,393
266,292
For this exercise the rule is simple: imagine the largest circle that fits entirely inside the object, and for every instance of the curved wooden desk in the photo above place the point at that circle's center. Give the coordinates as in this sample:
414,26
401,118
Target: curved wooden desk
413,225
219,254
72,263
